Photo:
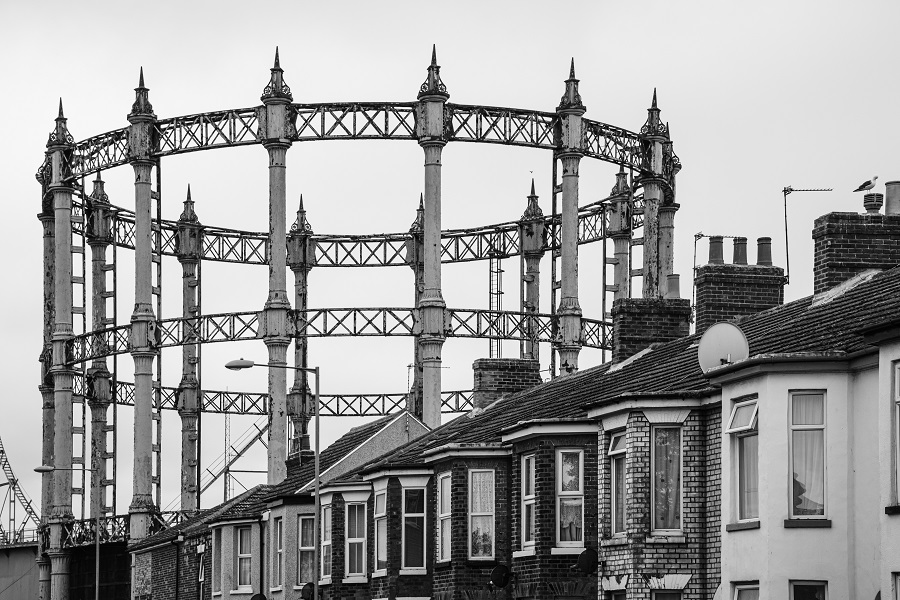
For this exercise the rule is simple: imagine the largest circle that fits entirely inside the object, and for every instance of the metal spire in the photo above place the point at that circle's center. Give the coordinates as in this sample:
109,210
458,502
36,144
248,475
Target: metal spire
571,99
60,135
301,225
532,210
433,85
418,226
188,215
653,125
141,104
276,88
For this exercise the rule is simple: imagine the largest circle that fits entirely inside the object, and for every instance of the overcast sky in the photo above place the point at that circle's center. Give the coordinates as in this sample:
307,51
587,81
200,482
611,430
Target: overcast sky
759,97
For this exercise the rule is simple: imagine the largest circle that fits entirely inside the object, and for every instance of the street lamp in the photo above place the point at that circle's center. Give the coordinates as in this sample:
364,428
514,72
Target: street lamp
237,365
96,497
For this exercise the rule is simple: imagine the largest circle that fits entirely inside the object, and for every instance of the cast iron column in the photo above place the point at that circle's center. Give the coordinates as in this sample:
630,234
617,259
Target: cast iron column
415,249
301,257
620,232
532,240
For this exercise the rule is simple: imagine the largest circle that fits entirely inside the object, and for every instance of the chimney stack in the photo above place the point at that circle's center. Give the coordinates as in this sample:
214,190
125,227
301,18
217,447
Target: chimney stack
495,377
725,292
640,322
892,197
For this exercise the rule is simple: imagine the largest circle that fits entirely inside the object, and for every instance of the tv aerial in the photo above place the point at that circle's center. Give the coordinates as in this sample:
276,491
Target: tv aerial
722,344
787,253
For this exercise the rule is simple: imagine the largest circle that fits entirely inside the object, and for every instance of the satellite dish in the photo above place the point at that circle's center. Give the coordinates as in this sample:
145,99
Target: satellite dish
257,597
587,561
306,593
722,344
500,576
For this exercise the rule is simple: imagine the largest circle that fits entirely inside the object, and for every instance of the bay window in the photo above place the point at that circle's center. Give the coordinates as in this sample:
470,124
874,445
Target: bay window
413,541
742,425
356,540
665,469
325,527
807,455
617,484
481,513
570,497
306,551
528,501
243,556
380,531
444,517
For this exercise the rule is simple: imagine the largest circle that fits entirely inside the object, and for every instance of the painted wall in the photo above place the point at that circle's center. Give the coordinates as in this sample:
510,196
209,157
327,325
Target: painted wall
18,572
888,458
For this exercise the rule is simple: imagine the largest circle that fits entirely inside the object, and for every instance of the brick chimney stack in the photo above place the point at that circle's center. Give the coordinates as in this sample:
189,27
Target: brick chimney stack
847,244
727,291
495,377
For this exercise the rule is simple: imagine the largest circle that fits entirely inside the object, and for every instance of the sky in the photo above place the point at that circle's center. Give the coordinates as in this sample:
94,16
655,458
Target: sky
759,96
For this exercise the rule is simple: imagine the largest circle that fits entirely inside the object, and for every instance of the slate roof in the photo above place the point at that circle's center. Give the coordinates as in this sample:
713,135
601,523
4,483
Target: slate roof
809,325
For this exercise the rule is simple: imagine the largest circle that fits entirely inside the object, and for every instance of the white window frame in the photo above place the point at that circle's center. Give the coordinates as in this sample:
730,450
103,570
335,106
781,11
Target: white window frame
444,517
680,428
744,587
791,429
278,551
491,514
325,524
201,577
403,517
217,561
896,442
614,455
737,434
896,582
561,494
243,556
379,517
301,548
528,500
734,410
360,540
792,583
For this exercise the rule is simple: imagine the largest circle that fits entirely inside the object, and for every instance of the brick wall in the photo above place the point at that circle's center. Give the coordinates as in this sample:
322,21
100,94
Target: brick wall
639,322
115,571
725,292
713,549
495,377
847,244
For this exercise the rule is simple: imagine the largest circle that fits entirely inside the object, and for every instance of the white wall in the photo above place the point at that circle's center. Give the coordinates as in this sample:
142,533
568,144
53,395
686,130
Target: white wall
888,457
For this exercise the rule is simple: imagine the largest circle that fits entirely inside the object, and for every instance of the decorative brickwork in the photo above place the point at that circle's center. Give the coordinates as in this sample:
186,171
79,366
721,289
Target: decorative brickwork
847,244
726,292
495,377
639,322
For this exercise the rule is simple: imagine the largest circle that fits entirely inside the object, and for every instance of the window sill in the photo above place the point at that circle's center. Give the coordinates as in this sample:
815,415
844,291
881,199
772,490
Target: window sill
742,525
443,564
421,571
379,573
217,594
619,540
665,538
241,592
355,579
892,510
521,553
275,590
567,550
807,523
325,581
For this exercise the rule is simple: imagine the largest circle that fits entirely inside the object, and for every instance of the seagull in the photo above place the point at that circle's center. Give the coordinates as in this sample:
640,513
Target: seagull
868,185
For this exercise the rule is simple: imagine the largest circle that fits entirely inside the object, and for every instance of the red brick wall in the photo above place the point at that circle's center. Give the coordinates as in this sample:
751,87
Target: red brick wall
164,570
495,377
847,244
639,322
725,292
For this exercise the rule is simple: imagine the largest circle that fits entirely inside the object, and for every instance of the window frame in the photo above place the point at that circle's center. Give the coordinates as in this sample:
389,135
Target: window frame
528,500
560,494
325,524
895,439
444,516
680,529
739,403
357,540
378,517
201,577
737,436
792,583
217,561
243,556
278,551
791,429
492,514
403,518
301,548
614,456
744,587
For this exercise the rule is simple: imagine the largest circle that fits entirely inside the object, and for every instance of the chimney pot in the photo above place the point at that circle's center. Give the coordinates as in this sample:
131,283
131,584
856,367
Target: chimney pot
892,193
764,251
740,251
873,202
716,255
673,288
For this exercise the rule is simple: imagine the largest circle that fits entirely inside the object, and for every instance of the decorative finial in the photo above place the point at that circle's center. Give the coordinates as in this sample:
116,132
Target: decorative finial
276,89
571,99
188,215
654,126
60,135
621,186
533,210
301,225
433,85
98,194
532,186
141,104
418,226
60,115
654,98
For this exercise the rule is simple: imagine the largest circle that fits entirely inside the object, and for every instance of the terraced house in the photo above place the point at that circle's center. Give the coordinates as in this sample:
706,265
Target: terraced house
770,476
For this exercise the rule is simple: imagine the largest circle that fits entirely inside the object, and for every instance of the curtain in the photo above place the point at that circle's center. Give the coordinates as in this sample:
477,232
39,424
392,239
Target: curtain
667,477
482,492
570,510
808,454
748,476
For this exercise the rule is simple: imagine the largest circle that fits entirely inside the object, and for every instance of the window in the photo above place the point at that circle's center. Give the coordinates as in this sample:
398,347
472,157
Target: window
201,577
896,586
666,596
617,596
413,528
570,497
325,526
809,590
665,468
306,551
528,499
444,517
381,531
746,592
278,546
217,560
356,539
481,513
897,439
617,484
742,425
242,535
807,455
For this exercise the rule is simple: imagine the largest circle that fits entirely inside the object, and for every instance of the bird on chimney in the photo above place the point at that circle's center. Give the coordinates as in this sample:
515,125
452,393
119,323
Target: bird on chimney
866,186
